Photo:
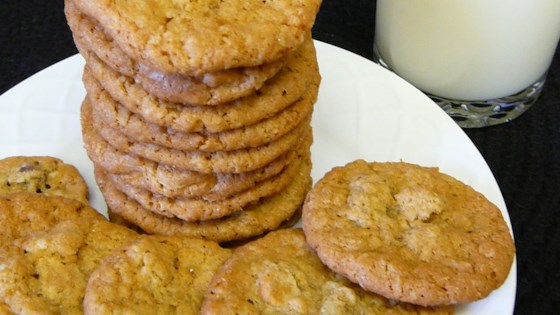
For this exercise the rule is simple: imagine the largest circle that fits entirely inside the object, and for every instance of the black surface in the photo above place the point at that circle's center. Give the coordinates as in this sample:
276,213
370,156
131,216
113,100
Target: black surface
524,155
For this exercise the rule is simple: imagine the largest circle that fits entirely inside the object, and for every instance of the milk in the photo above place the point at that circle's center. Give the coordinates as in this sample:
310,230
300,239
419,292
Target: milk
468,49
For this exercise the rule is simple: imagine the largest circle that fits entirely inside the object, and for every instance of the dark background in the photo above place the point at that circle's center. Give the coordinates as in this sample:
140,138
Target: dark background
524,155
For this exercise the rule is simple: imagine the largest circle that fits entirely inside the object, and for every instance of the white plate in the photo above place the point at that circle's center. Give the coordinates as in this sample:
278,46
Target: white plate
363,111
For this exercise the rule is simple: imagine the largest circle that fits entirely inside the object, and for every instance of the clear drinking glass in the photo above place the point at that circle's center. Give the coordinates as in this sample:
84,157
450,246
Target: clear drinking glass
483,61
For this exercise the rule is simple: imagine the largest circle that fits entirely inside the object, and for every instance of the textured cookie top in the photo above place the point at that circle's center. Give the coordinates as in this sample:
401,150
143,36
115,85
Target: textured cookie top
46,272
209,88
25,213
203,36
154,275
280,274
41,174
408,232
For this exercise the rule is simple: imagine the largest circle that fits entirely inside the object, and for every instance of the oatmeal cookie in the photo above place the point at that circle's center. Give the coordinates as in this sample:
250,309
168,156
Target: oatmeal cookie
204,36
25,213
268,214
237,161
195,209
289,85
175,272
43,175
47,272
133,126
206,89
409,233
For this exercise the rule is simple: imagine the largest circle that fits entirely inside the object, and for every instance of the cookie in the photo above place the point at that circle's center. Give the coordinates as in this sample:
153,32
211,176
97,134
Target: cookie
238,161
46,272
137,129
409,233
42,174
207,89
286,224
175,272
279,274
5,309
212,88
90,36
170,182
117,219
278,93
268,214
167,180
199,37
100,152
191,209
25,213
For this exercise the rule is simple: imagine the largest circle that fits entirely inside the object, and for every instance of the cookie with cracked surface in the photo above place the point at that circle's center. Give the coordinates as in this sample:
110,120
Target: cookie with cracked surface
408,232
266,215
206,89
43,175
204,36
136,128
237,161
278,93
195,209
175,272
25,213
46,272
279,274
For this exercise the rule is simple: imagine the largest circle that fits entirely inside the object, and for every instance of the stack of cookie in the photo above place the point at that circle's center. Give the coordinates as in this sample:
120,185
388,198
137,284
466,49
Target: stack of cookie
197,115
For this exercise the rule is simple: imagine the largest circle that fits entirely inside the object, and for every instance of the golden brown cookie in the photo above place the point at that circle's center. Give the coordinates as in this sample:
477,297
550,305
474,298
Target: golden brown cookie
408,232
199,37
173,183
117,219
268,214
46,272
195,209
137,129
206,89
170,181
278,93
100,152
5,309
154,275
286,224
237,161
280,274
43,175
26,213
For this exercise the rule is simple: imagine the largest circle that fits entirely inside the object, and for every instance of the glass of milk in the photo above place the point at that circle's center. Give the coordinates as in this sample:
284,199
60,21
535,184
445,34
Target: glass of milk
483,61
